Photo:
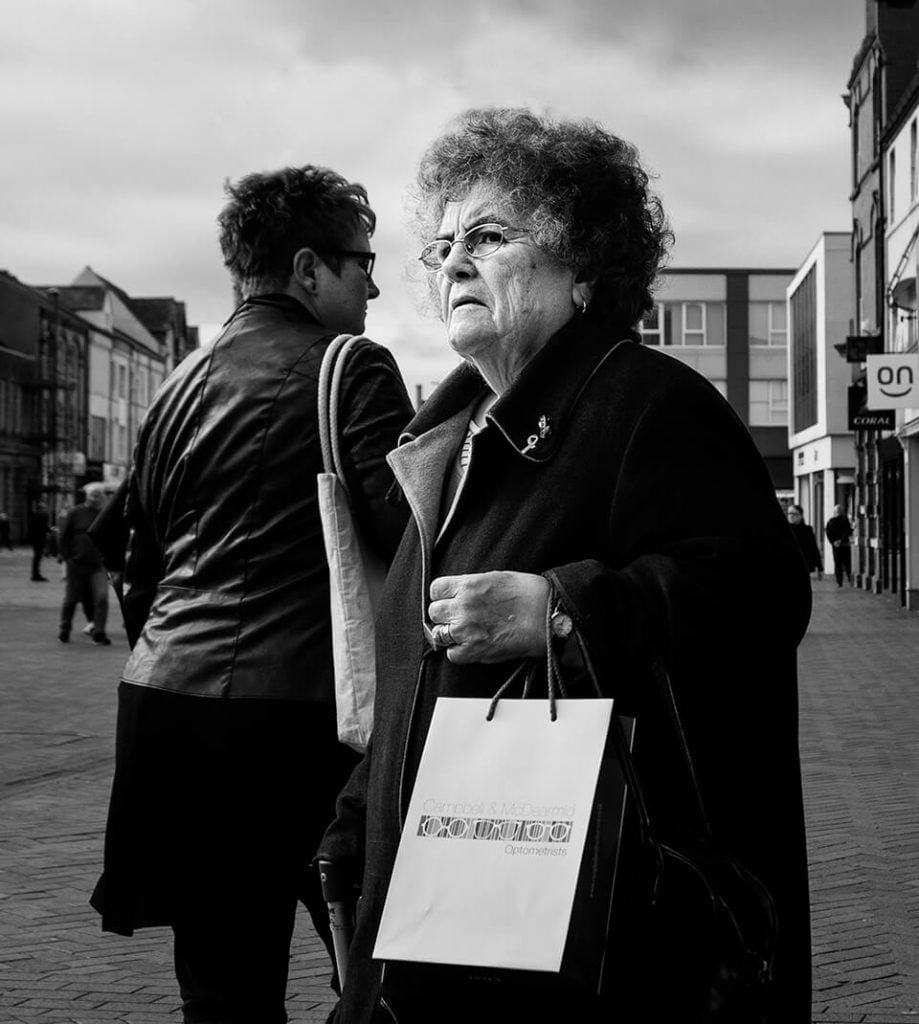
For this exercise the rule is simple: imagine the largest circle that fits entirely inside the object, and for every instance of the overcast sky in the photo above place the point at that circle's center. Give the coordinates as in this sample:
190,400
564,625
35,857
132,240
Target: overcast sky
121,119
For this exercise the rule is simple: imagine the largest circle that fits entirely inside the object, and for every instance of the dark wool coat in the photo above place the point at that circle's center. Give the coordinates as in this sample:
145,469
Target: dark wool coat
626,478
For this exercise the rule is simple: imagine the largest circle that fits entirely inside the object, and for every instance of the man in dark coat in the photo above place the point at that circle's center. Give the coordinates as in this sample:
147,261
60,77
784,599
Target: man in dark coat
839,534
807,542
227,759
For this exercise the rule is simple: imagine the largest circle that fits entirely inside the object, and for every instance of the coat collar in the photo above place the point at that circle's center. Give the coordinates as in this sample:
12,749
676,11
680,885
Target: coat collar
277,301
531,415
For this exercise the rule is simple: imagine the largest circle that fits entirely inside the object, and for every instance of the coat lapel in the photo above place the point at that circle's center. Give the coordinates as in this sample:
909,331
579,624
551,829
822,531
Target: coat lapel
420,466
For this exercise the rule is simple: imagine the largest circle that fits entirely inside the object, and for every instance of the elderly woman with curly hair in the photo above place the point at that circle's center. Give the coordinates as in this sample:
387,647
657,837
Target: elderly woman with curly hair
563,461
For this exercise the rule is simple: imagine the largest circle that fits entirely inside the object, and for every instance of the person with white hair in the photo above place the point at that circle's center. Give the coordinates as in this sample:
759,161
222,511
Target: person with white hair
83,565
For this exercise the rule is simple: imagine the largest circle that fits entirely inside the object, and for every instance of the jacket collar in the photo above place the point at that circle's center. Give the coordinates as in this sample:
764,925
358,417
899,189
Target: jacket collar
287,305
531,415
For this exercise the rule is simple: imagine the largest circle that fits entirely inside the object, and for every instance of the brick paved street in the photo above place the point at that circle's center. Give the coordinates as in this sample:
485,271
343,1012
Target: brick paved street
860,741
57,715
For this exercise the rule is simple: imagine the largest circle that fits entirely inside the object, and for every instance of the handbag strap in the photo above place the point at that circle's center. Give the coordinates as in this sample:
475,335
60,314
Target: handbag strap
620,743
665,689
331,372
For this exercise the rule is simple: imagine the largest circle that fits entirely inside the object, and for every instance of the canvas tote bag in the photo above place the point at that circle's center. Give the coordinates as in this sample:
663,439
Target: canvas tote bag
355,573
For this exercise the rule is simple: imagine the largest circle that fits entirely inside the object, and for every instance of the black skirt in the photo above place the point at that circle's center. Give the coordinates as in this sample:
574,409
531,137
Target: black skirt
215,803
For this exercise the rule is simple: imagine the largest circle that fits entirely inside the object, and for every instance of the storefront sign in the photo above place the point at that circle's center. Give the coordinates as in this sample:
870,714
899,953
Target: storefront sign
893,381
863,418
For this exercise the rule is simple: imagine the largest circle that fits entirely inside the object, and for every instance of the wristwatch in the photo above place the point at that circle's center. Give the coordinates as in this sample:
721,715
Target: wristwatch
560,622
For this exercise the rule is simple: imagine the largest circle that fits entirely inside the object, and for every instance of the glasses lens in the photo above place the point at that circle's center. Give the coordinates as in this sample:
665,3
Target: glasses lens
434,254
484,240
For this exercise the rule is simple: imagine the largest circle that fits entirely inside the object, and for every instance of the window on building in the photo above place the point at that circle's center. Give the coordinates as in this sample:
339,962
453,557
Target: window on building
97,438
768,403
652,327
768,324
892,185
855,140
685,323
15,400
122,381
804,352
913,183
693,315
122,443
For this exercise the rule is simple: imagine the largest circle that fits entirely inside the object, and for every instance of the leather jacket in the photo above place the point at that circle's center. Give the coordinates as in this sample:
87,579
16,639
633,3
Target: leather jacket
225,577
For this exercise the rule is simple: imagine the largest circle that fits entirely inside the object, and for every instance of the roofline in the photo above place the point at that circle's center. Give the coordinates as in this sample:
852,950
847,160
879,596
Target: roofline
724,270
870,39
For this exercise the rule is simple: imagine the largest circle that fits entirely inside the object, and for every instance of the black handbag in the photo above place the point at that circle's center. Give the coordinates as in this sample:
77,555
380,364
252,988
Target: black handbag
704,932
700,936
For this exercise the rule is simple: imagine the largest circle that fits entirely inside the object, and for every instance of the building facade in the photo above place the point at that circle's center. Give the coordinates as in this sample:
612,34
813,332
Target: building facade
79,366
44,359
730,325
820,298
883,75
135,345
900,163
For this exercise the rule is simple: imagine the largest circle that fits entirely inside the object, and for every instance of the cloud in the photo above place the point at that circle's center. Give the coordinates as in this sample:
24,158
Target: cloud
121,121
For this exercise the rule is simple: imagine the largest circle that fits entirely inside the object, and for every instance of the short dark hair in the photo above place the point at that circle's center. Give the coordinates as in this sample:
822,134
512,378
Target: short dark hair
582,189
273,214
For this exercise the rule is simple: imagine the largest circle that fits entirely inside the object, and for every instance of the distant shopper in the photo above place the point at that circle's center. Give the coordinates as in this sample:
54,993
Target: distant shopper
804,535
83,565
839,534
5,531
38,533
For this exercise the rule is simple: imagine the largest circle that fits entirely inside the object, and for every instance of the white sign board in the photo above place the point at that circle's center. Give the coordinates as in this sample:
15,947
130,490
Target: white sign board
893,381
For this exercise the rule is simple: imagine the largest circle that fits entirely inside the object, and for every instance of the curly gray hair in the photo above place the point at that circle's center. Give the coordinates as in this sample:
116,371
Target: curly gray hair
581,190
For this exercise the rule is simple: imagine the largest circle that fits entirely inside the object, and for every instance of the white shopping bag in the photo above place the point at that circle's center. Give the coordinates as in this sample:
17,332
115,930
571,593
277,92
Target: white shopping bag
493,847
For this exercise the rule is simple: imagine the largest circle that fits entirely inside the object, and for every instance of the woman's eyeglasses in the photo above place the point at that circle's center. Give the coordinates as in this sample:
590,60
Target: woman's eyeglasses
478,242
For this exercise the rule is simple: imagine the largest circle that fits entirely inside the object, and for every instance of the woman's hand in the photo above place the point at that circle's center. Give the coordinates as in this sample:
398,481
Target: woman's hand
493,616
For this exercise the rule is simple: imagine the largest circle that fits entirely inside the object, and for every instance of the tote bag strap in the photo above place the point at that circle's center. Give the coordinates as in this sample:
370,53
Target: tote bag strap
331,372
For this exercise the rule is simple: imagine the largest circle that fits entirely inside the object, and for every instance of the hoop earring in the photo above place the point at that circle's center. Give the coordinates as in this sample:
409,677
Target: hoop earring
582,309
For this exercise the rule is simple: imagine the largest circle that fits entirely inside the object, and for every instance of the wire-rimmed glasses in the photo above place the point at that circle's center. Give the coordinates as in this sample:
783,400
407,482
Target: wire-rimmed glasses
478,242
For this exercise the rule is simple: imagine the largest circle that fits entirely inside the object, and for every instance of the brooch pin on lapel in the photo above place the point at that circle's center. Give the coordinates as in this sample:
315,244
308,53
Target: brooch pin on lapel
544,428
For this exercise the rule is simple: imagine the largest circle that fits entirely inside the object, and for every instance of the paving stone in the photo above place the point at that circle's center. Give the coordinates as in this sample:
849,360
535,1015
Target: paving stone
859,669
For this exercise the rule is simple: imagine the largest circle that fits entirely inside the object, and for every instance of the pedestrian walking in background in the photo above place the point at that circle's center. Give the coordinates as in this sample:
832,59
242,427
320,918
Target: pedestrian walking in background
5,541
83,566
38,535
227,755
807,542
839,534
543,243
